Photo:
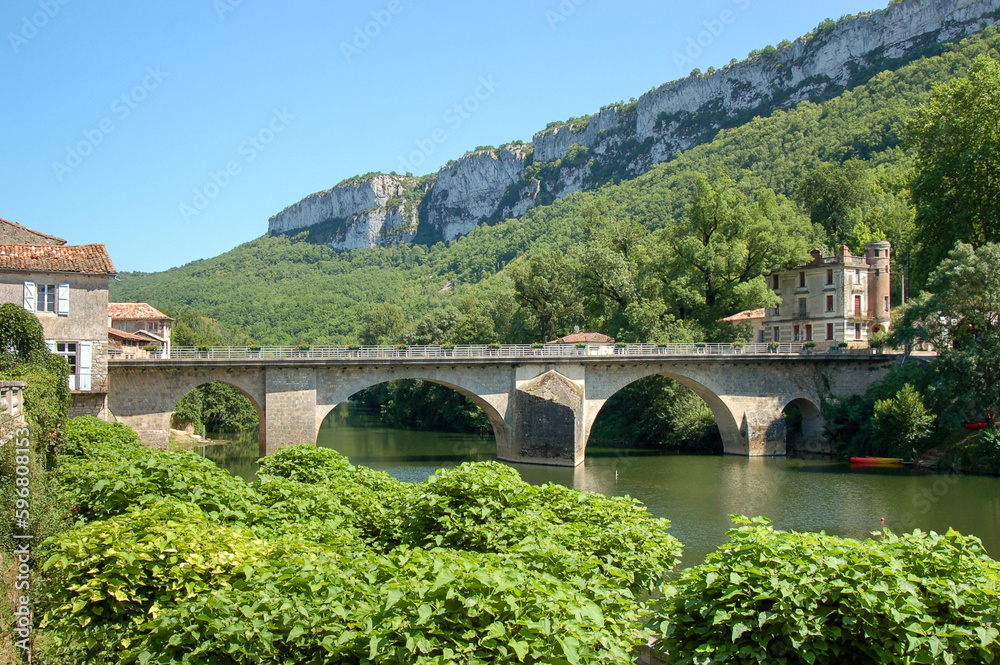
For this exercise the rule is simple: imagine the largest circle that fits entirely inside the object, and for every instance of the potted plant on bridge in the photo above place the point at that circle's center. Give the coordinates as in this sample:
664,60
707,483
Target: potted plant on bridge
700,347
254,351
773,346
401,349
448,349
620,347
738,346
352,350
877,340
808,347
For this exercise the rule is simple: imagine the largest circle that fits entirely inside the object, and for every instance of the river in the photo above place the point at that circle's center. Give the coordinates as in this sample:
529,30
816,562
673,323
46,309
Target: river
697,493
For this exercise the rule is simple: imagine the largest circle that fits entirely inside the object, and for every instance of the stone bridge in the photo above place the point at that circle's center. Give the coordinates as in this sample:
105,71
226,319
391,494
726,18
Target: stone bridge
542,409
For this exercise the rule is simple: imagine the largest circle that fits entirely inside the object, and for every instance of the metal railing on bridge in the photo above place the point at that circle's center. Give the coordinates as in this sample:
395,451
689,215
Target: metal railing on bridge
489,351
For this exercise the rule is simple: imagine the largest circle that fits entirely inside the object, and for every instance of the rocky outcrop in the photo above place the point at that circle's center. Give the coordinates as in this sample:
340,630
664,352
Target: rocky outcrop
469,190
360,212
624,140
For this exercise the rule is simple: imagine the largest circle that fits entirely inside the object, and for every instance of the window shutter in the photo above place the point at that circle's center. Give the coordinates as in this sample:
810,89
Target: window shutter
83,364
62,300
29,296
51,345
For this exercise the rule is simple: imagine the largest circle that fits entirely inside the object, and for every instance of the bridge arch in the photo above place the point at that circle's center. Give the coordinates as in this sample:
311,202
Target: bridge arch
729,428
806,426
493,405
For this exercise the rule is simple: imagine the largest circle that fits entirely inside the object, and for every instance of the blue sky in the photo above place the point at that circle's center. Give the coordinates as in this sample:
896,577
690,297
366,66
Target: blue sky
172,131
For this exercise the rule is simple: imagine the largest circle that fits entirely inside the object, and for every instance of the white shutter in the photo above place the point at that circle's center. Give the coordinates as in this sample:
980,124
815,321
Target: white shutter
62,300
84,362
51,344
29,296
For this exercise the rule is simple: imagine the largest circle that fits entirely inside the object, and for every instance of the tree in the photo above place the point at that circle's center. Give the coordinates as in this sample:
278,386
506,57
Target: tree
192,328
959,313
956,186
902,422
838,198
382,324
21,336
718,253
543,283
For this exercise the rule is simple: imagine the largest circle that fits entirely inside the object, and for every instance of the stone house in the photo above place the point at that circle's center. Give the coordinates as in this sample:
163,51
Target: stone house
832,300
828,301
66,287
138,330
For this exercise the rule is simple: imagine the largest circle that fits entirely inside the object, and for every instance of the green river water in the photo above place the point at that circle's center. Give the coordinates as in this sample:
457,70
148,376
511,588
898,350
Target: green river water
697,493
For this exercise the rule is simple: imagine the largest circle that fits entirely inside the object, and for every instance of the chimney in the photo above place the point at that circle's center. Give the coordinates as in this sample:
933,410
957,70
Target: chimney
843,254
817,256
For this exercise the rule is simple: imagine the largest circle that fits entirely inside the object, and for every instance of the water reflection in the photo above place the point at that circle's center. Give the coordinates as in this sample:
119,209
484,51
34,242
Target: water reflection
696,492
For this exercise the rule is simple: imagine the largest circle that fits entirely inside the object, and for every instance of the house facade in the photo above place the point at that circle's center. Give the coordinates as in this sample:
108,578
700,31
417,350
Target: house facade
138,330
66,287
831,300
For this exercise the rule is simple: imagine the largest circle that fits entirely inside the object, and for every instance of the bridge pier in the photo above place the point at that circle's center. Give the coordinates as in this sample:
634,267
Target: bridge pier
289,408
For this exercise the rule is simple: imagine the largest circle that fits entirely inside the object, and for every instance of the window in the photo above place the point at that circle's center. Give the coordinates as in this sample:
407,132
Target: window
776,335
857,276
829,276
774,282
802,306
886,304
829,303
46,300
777,310
152,326
802,280
796,335
857,306
760,336
829,331
68,351
809,333
857,331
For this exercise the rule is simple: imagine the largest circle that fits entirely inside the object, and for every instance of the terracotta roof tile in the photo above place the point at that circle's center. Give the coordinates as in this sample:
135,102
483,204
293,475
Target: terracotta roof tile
84,259
58,241
135,311
122,334
584,338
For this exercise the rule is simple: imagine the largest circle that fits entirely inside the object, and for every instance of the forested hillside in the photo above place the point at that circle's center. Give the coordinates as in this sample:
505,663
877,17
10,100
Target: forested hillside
847,154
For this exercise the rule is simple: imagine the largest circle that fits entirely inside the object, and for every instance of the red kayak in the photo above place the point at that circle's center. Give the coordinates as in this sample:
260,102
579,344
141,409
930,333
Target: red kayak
877,461
978,425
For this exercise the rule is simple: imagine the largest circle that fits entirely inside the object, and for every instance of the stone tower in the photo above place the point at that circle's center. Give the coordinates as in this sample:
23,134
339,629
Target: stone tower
879,284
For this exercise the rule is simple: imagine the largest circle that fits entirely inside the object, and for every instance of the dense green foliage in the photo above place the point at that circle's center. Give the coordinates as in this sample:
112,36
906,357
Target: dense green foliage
957,179
422,405
173,562
777,597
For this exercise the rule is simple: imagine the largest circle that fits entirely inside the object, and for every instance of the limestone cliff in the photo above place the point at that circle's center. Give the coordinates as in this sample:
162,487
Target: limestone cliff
360,212
625,140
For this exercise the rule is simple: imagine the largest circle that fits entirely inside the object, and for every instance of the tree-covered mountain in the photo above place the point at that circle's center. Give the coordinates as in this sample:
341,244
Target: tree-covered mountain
624,140
813,174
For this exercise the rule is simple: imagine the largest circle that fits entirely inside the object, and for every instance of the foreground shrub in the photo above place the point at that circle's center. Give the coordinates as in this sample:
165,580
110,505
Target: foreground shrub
283,508
88,437
106,486
108,578
773,596
372,497
486,507
408,607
